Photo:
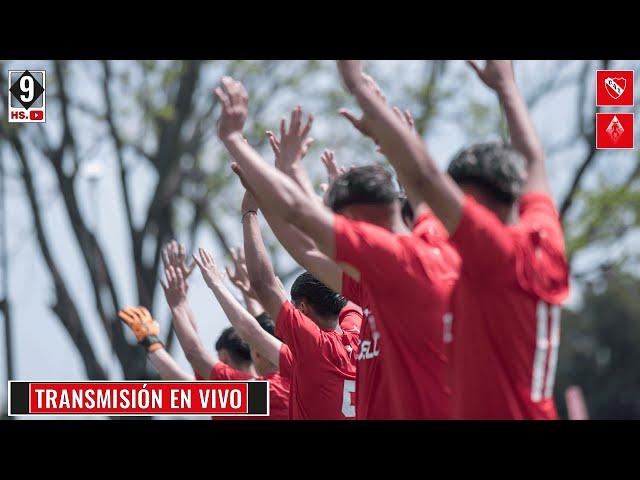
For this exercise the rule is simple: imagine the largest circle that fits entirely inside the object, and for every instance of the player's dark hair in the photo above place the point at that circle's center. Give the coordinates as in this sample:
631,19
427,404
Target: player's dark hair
496,167
324,301
267,323
238,349
369,185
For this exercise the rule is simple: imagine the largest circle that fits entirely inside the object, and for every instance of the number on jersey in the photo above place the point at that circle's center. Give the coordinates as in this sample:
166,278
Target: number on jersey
545,359
348,408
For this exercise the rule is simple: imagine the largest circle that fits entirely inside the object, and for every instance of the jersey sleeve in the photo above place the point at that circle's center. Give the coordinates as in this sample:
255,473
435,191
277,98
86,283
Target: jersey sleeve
351,318
484,243
351,289
222,371
375,252
297,330
430,226
541,264
285,361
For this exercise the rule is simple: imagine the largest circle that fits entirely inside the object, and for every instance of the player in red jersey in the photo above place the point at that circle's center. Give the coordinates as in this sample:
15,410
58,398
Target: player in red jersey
316,327
503,222
245,327
403,282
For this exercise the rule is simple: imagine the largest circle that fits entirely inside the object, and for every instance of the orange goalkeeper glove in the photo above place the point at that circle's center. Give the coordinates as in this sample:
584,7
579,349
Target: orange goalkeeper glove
144,327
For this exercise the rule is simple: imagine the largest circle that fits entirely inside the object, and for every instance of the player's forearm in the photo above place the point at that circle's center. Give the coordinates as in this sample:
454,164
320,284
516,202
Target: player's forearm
167,366
272,188
261,274
191,316
521,129
253,305
299,175
305,252
414,165
277,192
245,324
197,355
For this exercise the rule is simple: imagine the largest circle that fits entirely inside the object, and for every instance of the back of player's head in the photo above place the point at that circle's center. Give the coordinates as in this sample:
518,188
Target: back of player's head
237,348
366,185
267,323
324,301
496,167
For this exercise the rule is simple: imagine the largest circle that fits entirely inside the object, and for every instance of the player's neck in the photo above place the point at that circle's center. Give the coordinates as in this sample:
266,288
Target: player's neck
330,323
398,226
249,369
266,370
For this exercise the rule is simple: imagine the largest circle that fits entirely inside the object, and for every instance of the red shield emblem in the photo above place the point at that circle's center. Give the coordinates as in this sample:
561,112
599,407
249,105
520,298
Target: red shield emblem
615,86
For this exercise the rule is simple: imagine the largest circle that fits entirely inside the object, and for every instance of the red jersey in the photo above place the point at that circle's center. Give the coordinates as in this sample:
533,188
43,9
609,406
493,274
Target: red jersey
506,311
404,291
320,363
278,391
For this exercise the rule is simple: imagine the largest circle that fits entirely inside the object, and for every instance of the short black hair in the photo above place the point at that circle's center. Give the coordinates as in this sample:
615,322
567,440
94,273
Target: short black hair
324,301
238,349
496,167
267,323
369,184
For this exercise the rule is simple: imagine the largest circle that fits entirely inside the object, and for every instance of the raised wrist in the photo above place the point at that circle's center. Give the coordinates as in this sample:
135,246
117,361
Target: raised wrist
180,308
232,137
506,88
247,213
151,343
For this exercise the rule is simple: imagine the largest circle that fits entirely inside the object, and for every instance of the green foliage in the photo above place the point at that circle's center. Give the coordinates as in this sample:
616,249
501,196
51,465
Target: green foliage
607,212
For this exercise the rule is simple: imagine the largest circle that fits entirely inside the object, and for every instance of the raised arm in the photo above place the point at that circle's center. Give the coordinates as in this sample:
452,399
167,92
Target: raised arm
240,278
499,76
305,252
244,323
261,275
175,254
147,330
291,148
416,169
175,291
274,190
289,151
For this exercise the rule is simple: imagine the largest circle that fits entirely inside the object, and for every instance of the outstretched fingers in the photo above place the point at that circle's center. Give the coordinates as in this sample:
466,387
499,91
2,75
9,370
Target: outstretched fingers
355,121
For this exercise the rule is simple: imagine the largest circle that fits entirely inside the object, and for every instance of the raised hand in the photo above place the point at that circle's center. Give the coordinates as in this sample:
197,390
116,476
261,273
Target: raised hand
293,144
406,118
333,170
363,123
496,74
235,107
240,276
143,326
175,290
213,277
175,255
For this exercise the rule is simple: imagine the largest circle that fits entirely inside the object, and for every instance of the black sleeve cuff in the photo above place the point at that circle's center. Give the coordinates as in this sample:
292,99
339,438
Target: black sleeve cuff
146,342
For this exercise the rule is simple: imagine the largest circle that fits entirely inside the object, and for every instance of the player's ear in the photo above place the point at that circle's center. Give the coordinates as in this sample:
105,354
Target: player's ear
303,307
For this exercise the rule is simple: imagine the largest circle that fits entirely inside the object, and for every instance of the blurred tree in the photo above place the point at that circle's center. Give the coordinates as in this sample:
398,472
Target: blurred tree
163,121
599,350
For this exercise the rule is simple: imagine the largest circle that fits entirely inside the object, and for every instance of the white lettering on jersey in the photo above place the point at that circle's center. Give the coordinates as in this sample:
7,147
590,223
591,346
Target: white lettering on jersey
544,342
